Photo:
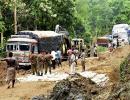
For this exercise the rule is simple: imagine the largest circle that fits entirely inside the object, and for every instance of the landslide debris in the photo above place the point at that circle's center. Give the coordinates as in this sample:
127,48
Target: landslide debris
120,91
2,73
75,87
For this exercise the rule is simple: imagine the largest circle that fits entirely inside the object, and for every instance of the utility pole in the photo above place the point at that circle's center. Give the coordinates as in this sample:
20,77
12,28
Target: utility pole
15,18
1,40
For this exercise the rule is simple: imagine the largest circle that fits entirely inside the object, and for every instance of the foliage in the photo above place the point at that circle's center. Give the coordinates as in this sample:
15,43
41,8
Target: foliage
2,52
2,24
101,49
39,14
99,16
123,68
82,18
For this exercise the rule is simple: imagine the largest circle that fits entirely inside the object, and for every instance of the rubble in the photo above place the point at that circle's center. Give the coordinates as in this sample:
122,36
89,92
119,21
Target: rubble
75,87
120,91
2,73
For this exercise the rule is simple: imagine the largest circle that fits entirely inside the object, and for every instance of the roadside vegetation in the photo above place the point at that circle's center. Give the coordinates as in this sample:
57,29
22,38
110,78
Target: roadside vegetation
102,49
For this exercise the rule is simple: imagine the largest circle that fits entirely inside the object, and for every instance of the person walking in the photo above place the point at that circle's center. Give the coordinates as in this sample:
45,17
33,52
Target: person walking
33,59
83,55
12,64
73,63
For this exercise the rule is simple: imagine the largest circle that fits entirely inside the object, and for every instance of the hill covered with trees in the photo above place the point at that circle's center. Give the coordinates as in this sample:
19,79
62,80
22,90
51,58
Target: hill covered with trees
86,18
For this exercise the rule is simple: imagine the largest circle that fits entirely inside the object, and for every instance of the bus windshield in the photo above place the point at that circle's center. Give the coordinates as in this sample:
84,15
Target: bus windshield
24,47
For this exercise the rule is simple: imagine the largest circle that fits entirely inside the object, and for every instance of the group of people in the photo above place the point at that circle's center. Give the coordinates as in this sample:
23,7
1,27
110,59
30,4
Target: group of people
92,50
45,60
116,43
73,56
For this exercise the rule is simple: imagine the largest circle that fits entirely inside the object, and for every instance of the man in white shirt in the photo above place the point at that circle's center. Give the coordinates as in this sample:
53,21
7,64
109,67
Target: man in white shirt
73,63
53,53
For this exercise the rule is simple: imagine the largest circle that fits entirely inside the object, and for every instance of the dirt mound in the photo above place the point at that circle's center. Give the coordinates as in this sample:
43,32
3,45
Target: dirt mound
75,87
109,63
2,73
120,91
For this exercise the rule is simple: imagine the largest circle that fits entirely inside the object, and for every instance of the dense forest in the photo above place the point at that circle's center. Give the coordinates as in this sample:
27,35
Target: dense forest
85,18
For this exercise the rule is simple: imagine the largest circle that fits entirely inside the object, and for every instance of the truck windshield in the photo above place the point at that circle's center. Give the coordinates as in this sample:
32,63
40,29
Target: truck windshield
76,42
11,47
24,47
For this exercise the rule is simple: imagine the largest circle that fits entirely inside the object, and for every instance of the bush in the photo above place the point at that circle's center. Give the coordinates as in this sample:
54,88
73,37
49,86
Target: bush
101,49
123,68
2,52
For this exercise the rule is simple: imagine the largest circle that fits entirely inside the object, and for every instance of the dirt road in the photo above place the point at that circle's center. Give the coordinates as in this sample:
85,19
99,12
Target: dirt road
106,63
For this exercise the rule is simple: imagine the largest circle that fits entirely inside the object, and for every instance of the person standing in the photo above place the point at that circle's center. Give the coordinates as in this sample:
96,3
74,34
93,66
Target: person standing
69,52
110,47
11,69
76,51
47,62
88,51
73,63
53,53
33,59
123,42
83,55
95,51
118,42
58,57
40,64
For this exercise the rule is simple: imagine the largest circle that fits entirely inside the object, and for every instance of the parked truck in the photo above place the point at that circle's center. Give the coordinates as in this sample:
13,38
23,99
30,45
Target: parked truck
120,33
78,43
26,42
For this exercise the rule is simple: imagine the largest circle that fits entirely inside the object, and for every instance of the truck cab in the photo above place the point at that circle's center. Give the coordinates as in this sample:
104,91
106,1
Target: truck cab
22,47
119,32
78,43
